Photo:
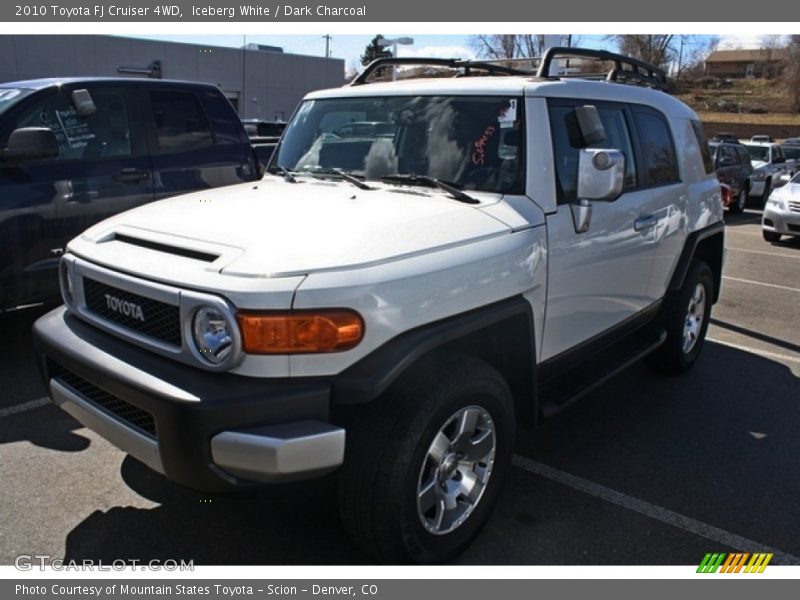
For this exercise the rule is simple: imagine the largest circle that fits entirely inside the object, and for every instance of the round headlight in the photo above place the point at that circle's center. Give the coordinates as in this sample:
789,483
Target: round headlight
212,334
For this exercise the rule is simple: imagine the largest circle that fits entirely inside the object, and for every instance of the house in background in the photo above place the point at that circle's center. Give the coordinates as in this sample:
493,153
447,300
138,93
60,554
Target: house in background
760,62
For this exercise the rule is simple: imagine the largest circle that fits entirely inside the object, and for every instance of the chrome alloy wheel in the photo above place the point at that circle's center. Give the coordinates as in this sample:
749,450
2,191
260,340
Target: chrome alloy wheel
694,318
456,470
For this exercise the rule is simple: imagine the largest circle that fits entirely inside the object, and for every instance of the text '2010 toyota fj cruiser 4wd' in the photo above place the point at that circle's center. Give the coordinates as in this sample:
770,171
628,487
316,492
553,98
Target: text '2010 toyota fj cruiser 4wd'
388,302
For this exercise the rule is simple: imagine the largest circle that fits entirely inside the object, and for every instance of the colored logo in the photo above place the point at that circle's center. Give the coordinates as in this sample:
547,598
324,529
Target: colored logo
735,562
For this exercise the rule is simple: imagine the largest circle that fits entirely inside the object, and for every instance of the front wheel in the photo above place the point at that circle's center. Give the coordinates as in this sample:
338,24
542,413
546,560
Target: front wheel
685,316
425,463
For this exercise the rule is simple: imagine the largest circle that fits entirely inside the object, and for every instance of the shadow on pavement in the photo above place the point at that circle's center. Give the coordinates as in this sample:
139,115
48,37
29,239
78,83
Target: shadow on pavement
719,444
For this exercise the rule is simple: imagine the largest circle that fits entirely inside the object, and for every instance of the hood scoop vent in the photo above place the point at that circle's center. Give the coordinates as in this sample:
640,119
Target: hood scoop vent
166,248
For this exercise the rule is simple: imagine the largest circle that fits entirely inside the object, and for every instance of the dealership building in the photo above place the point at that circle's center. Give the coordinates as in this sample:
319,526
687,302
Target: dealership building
262,82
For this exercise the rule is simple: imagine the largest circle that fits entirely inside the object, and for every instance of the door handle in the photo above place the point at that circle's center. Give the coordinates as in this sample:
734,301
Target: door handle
645,222
131,176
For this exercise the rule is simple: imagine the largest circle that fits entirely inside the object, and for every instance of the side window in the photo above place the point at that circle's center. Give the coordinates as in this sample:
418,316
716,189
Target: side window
181,123
658,148
726,156
744,157
705,152
566,155
104,134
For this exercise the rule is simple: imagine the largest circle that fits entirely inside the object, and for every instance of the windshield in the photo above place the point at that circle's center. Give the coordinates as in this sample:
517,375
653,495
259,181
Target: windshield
473,143
9,96
758,153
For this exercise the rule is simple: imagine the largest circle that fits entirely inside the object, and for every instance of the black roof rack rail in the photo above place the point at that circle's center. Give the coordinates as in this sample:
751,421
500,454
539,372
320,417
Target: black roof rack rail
452,63
626,69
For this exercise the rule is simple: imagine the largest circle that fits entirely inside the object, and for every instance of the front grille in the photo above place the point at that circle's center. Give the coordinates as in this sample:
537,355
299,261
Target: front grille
158,319
795,228
133,416
794,207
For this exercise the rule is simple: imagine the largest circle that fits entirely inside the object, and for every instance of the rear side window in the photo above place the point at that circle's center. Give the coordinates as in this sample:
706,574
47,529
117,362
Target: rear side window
566,155
708,162
660,164
181,123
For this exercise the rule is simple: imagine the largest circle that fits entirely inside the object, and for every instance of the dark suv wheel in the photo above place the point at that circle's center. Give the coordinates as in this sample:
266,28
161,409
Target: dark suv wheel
425,463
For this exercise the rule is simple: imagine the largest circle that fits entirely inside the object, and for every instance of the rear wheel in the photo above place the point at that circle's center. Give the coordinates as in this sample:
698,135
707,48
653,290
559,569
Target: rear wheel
741,201
685,316
771,236
425,463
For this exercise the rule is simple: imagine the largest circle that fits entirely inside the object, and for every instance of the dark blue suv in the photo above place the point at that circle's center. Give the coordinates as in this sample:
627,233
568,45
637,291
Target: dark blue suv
75,151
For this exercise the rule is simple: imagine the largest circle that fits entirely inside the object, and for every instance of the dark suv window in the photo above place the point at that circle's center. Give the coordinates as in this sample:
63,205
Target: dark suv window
103,134
658,148
566,155
181,123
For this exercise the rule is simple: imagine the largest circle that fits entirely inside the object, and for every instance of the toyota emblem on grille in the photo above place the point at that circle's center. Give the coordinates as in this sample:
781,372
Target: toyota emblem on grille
124,307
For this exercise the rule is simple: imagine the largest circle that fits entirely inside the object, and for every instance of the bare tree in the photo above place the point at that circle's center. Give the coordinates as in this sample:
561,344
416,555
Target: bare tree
771,45
791,73
655,49
500,46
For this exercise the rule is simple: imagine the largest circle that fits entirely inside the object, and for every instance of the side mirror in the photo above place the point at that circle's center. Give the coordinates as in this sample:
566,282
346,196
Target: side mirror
31,143
779,159
601,174
83,103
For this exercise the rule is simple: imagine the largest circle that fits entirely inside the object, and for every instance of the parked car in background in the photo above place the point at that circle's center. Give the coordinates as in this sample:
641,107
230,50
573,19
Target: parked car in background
782,212
264,136
792,153
769,166
762,139
78,150
725,137
733,167
794,141
256,128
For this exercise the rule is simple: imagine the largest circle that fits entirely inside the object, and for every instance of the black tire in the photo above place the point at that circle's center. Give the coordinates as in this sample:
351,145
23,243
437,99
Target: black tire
387,455
673,357
741,201
771,236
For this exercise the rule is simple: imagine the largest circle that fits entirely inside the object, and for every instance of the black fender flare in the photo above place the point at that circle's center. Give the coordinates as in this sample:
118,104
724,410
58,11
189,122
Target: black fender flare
372,375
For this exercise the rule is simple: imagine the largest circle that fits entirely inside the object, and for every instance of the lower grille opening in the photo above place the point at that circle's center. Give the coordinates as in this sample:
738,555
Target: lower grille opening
132,416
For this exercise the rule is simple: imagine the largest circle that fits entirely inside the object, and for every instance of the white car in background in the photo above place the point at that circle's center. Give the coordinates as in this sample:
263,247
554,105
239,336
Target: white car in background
782,212
771,168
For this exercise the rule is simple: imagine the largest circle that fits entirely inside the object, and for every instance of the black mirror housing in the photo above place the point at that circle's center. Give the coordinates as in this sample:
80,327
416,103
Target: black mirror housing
31,143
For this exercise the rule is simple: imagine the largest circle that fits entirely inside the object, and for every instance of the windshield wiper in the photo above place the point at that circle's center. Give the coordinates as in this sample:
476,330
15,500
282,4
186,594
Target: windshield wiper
282,172
349,177
446,186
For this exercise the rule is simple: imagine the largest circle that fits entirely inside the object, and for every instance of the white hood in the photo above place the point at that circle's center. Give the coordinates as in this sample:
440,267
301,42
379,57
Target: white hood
274,228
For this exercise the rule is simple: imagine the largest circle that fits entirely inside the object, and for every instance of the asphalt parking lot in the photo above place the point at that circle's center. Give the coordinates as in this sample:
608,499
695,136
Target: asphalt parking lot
647,470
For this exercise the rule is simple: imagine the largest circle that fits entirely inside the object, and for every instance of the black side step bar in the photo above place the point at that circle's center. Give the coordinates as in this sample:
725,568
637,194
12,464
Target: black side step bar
569,386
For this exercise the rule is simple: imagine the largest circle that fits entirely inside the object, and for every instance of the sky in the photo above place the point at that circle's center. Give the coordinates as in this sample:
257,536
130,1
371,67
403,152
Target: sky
350,47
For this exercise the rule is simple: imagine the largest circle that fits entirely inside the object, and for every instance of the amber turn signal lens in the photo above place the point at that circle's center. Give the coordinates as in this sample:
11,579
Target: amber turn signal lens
299,332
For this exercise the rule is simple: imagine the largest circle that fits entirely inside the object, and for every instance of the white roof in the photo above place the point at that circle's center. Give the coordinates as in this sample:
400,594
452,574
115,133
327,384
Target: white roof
517,86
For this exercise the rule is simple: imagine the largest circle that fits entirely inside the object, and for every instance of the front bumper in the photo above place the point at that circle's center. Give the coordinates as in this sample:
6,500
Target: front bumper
201,429
785,222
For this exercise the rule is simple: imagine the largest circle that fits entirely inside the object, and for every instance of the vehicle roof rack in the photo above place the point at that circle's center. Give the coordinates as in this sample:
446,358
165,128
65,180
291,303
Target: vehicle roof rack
626,69
453,63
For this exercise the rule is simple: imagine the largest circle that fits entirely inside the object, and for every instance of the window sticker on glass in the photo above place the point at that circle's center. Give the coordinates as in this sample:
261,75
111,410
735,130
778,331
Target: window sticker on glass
76,130
508,114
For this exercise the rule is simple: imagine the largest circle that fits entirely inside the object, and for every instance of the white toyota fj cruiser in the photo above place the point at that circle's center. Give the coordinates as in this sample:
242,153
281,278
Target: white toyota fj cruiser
389,300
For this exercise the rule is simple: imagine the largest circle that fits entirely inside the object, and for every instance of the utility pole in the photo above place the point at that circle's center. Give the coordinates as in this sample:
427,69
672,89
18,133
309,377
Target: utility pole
327,38
680,58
